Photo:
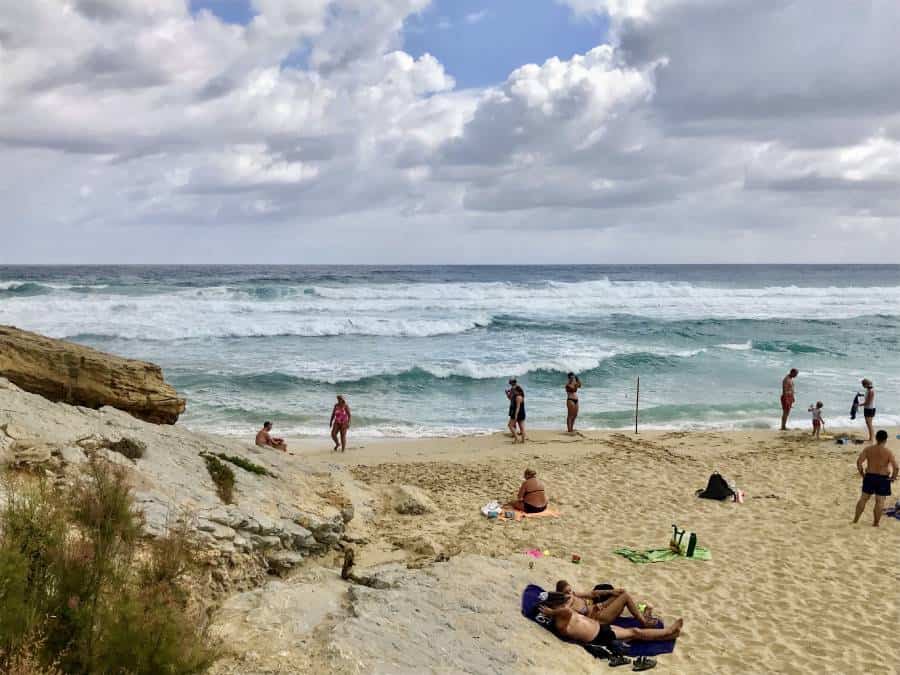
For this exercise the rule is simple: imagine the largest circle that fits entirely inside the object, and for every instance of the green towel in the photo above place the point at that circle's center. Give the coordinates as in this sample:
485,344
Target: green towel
660,554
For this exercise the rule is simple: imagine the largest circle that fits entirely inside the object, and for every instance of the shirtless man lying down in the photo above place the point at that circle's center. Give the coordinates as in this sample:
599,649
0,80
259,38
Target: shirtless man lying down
586,630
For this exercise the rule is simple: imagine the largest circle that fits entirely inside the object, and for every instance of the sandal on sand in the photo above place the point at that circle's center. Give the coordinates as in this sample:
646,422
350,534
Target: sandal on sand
643,663
618,660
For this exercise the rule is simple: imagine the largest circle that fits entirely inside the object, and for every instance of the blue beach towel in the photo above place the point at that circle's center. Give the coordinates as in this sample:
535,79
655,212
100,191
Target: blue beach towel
531,600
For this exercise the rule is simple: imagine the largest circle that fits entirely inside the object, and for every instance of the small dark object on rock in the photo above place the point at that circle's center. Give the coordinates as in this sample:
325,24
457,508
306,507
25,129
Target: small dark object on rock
129,447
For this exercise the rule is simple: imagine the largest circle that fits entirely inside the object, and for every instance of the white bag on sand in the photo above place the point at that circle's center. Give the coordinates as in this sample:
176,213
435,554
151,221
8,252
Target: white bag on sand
491,509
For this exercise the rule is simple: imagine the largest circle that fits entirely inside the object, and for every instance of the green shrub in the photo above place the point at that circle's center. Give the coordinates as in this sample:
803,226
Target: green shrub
222,476
245,464
78,593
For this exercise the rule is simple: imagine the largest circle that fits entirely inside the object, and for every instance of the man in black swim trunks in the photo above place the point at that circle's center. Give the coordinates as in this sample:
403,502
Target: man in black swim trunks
869,408
880,471
585,630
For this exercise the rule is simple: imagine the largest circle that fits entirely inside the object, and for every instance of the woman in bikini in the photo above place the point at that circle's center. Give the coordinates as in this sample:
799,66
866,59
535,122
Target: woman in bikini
340,422
572,387
531,498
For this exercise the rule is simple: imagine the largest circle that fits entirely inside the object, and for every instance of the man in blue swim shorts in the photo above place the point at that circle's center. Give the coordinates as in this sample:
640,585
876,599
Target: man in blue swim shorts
878,468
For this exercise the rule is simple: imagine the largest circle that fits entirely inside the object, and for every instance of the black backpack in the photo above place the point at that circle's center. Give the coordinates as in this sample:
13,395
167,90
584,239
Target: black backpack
716,488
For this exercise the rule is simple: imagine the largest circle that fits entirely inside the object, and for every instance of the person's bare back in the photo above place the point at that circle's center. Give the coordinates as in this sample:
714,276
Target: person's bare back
878,459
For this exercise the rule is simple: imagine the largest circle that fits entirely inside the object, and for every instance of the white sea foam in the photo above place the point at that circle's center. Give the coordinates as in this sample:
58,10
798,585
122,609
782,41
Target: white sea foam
737,346
418,310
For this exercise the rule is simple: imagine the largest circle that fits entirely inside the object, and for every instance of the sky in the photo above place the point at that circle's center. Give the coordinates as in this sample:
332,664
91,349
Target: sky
449,131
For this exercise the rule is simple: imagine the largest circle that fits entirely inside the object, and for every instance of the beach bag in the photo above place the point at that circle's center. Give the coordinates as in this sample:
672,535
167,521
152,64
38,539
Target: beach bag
716,488
684,542
491,509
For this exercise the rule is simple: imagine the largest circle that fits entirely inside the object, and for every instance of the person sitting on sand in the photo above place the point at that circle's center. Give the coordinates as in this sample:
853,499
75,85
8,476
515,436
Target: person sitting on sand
340,423
265,440
588,631
877,478
532,497
787,396
606,604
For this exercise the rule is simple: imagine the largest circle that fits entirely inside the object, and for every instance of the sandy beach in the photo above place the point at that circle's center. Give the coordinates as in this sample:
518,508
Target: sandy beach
792,587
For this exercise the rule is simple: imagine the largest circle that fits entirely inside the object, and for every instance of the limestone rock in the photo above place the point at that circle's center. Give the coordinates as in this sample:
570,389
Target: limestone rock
282,561
410,500
63,371
27,454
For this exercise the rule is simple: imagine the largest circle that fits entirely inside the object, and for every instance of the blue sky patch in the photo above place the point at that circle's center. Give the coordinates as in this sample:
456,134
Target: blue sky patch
481,41
230,11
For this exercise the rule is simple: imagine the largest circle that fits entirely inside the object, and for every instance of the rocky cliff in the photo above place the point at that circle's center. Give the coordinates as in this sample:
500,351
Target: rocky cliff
279,512
63,371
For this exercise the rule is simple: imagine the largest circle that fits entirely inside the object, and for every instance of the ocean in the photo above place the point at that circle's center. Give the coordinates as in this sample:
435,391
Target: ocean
425,351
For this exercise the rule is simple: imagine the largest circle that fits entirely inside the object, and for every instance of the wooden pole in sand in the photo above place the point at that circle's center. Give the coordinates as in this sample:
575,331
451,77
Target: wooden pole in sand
637,398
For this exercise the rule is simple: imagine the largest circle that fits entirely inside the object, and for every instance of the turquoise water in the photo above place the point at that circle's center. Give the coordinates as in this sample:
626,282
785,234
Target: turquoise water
428,350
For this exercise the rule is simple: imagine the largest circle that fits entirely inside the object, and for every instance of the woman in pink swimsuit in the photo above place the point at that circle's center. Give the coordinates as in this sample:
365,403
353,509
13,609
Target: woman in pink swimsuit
340,422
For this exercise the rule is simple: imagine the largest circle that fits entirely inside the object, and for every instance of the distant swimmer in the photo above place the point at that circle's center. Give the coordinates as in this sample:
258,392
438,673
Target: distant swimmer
340,423
572,386
787,396
265,440
869,407
878,468
516,396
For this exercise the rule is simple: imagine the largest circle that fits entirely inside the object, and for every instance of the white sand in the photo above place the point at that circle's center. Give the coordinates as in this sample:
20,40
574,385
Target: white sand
793,587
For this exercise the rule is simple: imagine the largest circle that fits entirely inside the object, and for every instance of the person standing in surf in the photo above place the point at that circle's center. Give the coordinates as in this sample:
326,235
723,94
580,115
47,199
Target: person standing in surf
340,423
869,408
572,387
787,396
516,396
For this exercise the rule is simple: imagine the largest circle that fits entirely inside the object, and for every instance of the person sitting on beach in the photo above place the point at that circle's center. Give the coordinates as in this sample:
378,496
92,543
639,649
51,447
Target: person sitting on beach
265,440
340,423
787,396
572,386
880,471
588,631
869,408
532,498
817,421
606,604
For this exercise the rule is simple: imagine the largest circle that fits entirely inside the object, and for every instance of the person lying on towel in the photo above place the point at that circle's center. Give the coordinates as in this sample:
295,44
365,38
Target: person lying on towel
585,630
605,604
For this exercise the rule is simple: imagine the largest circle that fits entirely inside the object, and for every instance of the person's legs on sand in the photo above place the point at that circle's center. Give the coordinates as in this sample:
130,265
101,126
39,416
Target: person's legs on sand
512,429
869,428
344,438
613,609
522,430
648,634
334,436
879,508
861,506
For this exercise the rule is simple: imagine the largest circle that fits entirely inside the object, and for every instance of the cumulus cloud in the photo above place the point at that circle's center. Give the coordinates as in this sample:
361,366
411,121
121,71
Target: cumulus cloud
695,125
